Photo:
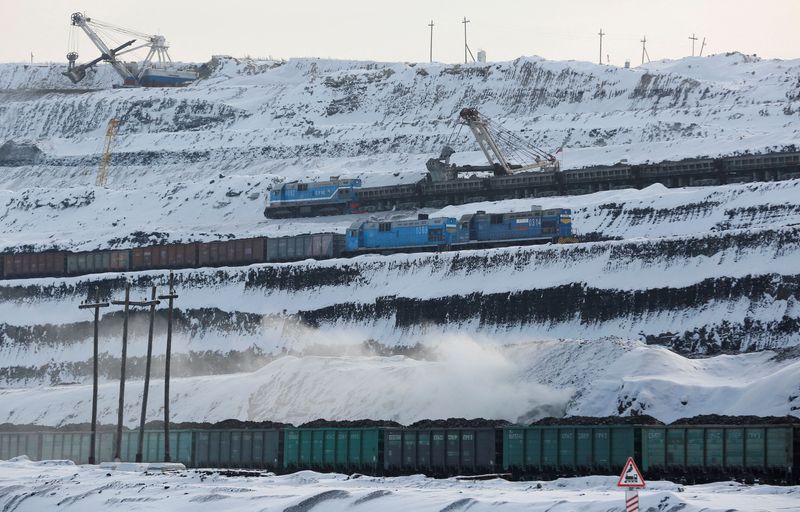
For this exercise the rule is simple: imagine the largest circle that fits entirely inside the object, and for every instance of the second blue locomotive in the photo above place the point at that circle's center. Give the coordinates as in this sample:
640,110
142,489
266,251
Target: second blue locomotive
476,230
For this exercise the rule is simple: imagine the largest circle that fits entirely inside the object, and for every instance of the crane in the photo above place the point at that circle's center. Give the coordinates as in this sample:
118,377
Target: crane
158,72
497,145
105,158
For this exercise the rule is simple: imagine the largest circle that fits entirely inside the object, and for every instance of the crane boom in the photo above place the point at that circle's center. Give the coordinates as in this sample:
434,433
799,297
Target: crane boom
105,158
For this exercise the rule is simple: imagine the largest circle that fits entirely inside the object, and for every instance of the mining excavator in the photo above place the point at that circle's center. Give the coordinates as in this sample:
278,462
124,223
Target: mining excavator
156,70
499,146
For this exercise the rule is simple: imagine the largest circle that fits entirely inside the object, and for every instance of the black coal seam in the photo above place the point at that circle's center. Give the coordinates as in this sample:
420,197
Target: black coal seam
195,362
300,277
192,322
558,304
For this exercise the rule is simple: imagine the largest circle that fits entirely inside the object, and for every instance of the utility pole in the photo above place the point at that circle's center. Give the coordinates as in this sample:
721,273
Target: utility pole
96,306
152,303
121,407
466,46
171,296
601,34
693,38
644,49
431,25
703,45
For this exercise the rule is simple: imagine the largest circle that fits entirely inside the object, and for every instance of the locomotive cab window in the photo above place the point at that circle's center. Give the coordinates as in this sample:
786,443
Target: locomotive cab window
302,187
384,227
496,219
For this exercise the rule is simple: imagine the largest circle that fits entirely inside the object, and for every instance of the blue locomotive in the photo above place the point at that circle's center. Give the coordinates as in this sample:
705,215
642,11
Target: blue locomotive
296,199
471,231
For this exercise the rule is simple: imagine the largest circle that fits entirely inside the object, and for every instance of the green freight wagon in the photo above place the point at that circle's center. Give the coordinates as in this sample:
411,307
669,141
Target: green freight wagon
333,449
238,448
445,451
567,450
180,445
75,446
707,452
14,444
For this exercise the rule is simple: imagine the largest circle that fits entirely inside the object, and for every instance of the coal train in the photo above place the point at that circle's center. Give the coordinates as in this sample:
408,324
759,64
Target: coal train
690,452
474,231
340,196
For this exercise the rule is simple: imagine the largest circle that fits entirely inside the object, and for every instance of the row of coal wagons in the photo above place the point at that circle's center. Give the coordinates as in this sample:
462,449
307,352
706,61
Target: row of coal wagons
76,446
393,451
173,256
694,453
698,453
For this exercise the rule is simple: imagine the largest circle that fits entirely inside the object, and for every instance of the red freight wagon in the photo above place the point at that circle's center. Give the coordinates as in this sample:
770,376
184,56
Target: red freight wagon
43,264
232,252
164,256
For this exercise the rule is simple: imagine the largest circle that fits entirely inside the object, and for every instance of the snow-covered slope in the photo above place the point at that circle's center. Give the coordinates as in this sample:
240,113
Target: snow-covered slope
701,271
210,151
585,329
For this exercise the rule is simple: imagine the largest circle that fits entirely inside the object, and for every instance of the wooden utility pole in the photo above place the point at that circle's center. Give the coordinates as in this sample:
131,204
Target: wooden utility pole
644,49
121,407
601,34
153,302
431,25
466,46
171,296
693,38
96,306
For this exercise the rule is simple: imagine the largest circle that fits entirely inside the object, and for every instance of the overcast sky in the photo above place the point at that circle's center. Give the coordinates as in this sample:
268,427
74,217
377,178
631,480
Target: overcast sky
398,31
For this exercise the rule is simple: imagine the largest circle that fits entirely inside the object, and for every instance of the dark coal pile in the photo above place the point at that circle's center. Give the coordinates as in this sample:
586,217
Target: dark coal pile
460,423
642,419
322,423
717,419
220,425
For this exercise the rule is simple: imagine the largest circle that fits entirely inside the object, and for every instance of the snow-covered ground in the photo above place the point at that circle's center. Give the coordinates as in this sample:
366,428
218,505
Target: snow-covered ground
462,377
59,485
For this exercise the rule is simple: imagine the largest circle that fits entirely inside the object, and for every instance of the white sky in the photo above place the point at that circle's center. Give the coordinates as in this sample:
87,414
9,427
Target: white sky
398,31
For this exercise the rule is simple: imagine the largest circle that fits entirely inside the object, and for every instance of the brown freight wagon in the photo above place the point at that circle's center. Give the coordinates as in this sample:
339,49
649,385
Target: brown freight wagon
41,264
97,262
164,256
232,252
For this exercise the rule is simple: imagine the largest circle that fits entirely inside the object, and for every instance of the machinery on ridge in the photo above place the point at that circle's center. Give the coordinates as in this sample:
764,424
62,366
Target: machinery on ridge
156,70
498,146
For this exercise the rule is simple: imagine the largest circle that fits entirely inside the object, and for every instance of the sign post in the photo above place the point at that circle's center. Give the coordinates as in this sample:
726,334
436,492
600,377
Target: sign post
631,480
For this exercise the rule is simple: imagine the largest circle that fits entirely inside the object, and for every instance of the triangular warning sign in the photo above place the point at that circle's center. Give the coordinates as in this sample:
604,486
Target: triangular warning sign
631,476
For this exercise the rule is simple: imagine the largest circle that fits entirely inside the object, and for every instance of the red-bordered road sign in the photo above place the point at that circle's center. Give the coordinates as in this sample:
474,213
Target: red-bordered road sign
631,476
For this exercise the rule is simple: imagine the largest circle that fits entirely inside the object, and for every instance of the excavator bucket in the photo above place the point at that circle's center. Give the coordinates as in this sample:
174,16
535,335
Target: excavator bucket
75,74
